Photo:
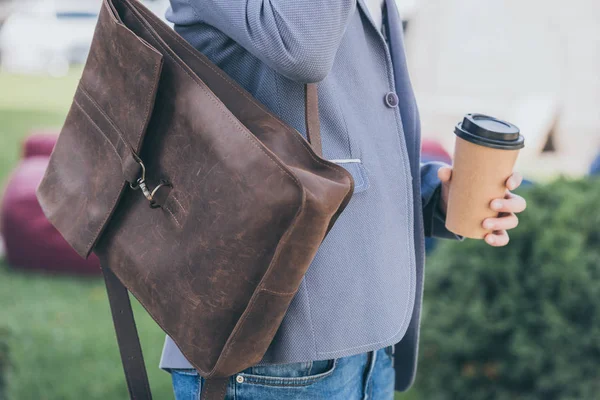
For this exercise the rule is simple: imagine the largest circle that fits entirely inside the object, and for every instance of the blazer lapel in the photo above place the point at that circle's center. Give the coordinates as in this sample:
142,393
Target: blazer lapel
408,107
365,10
396,36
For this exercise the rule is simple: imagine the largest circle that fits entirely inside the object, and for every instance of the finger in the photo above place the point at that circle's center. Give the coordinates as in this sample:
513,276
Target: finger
511,204
497,238
445,174
505,222
514,181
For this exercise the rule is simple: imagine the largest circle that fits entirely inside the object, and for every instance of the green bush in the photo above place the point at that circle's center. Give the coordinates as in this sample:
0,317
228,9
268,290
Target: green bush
4,362
523,321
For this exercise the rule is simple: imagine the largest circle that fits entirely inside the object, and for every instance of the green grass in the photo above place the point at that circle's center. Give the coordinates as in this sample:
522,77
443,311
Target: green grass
28,103
61,341
28,92
14,125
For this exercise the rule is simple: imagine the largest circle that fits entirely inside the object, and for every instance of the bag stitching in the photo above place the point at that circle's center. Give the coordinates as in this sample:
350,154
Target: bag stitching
223,391
236,330
97,128
112,203
279,293
172,215
240,323
177,201
108,119
118,155
307,107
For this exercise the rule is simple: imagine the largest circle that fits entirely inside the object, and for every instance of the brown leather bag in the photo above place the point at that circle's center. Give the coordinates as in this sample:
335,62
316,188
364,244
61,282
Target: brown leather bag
231,207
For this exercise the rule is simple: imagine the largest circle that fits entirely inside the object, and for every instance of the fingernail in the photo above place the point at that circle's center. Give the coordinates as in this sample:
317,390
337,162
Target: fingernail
496,204
488,225
490,239
511,183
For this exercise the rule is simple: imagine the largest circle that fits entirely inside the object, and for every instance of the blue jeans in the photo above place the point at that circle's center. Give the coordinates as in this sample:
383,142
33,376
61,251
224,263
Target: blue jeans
363,376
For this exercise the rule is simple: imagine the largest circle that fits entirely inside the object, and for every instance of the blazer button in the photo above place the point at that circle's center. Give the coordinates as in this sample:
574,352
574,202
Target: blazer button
391,100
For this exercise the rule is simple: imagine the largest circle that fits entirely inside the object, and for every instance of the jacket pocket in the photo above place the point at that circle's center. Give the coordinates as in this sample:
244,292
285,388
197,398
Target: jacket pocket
358,171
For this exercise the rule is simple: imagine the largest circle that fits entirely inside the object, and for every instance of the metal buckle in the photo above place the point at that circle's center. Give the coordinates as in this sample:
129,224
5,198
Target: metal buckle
141,184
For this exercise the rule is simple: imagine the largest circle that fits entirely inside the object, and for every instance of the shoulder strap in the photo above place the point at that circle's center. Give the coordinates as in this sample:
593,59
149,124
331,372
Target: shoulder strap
313,126
127,337
214,388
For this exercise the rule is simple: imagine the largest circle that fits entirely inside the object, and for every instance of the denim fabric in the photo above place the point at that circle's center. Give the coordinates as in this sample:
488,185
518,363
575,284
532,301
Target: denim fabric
363,376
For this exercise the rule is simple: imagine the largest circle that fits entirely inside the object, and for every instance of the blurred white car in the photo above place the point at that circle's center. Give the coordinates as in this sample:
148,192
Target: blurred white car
50,36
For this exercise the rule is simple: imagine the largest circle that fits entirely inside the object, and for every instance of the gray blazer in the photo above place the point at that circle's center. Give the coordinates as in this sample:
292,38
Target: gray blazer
364,288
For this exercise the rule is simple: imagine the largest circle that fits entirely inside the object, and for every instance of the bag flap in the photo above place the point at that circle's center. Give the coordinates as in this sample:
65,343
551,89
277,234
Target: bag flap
105,126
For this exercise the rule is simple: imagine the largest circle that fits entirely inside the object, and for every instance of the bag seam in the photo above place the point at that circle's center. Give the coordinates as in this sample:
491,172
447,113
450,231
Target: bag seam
80,107
113,203
279,293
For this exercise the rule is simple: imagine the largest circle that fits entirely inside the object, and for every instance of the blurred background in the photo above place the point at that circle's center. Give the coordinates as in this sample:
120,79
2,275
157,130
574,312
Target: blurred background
521,322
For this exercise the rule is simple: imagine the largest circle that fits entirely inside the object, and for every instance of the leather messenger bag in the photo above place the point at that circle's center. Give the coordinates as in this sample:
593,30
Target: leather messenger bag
197,200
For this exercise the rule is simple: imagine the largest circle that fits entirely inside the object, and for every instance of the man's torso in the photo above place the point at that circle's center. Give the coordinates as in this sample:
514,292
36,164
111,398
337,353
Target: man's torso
359,293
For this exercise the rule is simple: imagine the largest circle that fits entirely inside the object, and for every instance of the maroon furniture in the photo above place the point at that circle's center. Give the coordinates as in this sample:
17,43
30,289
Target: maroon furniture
432,150
39,143
30,241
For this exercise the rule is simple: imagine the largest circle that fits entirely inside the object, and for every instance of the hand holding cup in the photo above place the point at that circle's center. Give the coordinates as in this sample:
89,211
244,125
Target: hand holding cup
476,191
507,207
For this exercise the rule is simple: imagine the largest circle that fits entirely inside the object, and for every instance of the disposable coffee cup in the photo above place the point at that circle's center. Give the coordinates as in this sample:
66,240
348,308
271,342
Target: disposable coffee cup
484,157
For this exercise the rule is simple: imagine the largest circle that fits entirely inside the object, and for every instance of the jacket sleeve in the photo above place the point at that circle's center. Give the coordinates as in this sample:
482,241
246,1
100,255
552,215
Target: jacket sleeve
296,38
433,218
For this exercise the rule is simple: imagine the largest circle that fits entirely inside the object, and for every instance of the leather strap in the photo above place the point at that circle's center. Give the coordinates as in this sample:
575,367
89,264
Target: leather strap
313,125
214,388
127,337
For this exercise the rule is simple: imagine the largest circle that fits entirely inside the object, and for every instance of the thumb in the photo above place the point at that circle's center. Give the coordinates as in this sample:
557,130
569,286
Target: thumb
445,174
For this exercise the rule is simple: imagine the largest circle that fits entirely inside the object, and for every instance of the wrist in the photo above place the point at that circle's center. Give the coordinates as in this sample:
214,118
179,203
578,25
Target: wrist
443,199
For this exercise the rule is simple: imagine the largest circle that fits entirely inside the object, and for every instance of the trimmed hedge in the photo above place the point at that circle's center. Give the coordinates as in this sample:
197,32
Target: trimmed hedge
523,321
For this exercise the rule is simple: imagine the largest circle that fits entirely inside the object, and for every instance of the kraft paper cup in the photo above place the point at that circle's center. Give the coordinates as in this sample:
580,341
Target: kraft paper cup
484,157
